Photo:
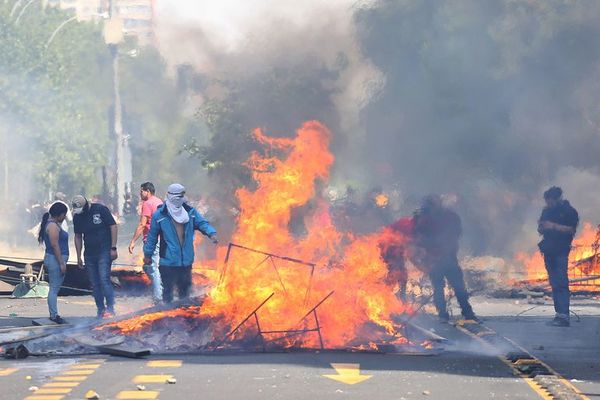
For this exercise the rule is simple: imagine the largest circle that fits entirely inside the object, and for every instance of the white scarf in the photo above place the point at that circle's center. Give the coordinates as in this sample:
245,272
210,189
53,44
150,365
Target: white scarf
175,206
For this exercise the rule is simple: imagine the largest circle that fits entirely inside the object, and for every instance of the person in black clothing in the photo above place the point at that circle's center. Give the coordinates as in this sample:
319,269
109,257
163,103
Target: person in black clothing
96,230
558,224
436,233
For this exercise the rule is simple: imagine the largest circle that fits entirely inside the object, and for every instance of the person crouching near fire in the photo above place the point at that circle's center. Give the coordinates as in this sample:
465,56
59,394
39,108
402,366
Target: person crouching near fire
436,234
174,224
558,224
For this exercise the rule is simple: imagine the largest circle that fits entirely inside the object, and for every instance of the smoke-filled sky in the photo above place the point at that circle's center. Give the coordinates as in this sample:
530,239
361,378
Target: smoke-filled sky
491,100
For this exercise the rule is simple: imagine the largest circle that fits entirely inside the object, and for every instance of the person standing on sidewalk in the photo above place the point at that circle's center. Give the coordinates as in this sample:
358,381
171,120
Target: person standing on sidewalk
150,204
56,241
96,230
175,222
558,224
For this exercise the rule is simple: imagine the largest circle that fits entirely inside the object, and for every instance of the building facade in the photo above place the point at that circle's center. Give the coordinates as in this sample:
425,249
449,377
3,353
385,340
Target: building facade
137,15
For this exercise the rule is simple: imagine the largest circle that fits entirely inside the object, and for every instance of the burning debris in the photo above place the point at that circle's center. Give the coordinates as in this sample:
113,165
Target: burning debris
266,297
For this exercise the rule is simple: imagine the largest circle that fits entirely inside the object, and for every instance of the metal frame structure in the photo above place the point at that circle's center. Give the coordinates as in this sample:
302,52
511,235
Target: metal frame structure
285,333
269,257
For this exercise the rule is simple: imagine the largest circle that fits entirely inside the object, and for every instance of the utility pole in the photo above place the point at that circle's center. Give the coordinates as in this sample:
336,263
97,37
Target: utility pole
122,163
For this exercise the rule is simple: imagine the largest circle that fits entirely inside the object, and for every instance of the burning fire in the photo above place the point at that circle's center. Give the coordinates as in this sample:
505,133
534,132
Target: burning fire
381,200
584,260
286,174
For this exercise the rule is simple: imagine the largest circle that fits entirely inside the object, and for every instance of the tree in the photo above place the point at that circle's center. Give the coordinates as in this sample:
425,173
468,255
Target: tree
54,97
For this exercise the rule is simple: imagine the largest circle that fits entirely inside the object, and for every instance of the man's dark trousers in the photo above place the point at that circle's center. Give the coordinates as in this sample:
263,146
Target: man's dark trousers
175,276
557,267
449,269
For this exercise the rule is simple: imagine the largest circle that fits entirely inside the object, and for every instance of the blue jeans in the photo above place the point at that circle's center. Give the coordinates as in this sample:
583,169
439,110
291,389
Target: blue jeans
557,267
98,268
56,280
154,274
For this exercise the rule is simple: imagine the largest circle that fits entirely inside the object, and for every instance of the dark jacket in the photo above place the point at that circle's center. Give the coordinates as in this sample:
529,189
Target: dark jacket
437,231
554,242
173,253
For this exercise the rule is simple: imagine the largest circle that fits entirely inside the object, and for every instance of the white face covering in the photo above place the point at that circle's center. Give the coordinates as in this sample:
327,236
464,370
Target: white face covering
77,210
175,206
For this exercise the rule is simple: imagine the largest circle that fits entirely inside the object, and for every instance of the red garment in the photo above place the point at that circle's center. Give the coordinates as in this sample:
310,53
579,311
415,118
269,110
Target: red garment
148,209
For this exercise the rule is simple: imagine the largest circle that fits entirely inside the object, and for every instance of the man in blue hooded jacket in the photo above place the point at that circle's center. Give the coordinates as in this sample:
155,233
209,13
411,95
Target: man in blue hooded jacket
174,224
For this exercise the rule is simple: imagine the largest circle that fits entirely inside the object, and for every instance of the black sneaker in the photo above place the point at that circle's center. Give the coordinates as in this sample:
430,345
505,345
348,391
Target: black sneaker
58,319
444,318
557,321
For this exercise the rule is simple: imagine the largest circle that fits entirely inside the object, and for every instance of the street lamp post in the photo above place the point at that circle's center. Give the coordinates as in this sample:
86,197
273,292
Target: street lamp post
113,36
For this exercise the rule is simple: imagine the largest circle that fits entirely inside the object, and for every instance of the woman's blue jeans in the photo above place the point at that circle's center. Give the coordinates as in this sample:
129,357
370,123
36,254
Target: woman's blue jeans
56,280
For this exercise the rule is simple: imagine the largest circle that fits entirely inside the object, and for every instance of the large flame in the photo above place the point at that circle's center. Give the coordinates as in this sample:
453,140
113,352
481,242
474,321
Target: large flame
584,260
286,175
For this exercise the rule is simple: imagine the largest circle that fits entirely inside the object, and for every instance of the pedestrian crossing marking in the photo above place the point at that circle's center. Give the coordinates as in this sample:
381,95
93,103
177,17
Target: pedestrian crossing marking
164,363
79,372
70,378
45,397
61,384
53,391
8,371
137,395
151,378
86,366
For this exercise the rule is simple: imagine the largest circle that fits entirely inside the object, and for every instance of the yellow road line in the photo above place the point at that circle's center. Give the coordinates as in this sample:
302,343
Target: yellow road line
137,395
79,372
53,391
538,389
151,378
61,384
8,371
531,382
556,374
69,378
164,363
44,397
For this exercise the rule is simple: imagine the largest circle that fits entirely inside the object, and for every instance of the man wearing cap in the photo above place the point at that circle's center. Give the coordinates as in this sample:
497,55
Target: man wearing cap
96,231
174,223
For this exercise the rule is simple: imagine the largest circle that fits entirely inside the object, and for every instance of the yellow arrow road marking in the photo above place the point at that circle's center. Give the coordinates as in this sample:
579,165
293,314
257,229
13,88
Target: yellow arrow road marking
348,373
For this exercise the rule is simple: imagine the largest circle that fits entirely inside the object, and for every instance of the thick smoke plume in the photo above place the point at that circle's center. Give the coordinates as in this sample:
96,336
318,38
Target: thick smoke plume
490,100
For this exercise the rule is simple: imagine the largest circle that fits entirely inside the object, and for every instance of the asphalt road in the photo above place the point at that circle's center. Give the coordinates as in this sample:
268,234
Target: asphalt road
466,370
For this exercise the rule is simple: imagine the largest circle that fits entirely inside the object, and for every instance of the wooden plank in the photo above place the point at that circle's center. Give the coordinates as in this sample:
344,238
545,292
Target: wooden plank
44,322
124,351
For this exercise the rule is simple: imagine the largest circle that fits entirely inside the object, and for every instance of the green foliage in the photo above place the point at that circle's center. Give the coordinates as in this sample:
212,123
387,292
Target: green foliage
55,95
